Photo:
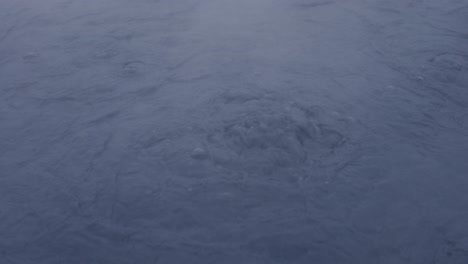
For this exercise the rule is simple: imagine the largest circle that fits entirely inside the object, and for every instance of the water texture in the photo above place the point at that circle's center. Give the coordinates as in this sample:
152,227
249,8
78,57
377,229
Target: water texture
233,131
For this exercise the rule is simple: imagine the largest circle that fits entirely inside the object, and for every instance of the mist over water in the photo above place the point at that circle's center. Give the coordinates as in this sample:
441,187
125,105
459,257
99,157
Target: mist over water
233,131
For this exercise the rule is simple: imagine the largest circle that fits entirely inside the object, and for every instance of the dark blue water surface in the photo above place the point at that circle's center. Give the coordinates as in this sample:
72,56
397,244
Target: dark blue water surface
233,131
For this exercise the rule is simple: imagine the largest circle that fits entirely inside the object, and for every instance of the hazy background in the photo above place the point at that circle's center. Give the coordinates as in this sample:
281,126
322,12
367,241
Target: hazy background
233,131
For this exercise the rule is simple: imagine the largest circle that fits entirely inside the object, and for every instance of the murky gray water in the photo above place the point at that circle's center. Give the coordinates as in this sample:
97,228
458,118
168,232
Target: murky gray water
233,131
